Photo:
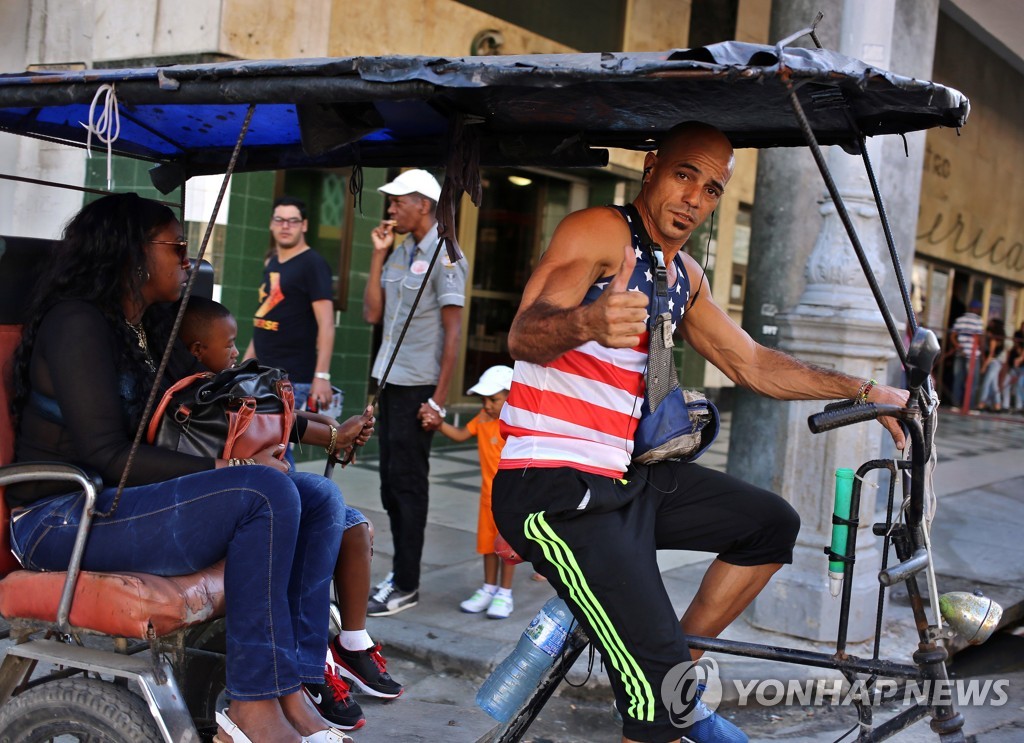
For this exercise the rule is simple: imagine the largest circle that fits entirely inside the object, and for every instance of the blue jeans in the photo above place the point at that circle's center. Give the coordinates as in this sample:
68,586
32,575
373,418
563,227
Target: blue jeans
280,535
990,392
960,365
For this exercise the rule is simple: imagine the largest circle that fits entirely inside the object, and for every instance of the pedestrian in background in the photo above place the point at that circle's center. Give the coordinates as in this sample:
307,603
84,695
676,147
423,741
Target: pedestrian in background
417,384
994,349
965,334
293,327
495,596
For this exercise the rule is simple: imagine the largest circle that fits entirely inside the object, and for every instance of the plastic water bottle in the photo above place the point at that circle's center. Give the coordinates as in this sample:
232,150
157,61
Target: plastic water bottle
518,676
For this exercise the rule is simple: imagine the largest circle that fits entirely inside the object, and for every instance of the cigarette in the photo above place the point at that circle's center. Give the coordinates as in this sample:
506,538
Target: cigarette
390,222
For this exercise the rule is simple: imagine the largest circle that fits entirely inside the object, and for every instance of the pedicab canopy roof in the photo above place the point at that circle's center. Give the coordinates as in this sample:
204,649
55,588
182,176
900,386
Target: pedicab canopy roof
554,110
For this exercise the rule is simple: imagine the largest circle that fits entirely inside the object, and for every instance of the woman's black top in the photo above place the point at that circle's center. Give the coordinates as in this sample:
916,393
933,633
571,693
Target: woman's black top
74,364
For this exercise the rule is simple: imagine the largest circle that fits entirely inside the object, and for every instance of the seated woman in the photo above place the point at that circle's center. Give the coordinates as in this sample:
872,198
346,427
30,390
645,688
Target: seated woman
86,364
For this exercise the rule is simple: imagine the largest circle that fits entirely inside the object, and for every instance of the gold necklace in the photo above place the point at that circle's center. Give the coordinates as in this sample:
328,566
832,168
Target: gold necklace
140,333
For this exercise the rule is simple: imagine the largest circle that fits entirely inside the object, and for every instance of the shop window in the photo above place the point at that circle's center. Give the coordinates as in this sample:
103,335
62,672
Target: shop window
586,25
712,21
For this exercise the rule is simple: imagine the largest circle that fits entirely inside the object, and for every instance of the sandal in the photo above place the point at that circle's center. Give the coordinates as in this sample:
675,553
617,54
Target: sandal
330,735
224,722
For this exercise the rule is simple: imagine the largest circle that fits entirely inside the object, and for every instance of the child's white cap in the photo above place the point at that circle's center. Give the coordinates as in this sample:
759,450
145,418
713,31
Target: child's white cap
494,380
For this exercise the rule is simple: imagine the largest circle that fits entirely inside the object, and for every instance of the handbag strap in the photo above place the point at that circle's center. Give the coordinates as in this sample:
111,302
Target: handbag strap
158,414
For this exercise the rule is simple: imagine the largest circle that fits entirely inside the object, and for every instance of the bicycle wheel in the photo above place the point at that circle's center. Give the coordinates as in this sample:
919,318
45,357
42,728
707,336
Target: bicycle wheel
77,709
516,727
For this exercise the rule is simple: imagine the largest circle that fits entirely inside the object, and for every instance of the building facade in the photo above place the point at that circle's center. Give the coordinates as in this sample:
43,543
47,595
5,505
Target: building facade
968,239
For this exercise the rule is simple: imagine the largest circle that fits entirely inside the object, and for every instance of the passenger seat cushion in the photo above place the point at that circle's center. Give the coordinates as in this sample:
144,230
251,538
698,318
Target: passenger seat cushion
121,604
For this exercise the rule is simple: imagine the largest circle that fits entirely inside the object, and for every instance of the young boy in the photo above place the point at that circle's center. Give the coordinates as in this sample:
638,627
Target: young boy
496,593
208,330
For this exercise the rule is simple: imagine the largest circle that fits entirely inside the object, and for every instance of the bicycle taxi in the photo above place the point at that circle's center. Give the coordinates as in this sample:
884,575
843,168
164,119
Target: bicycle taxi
160,675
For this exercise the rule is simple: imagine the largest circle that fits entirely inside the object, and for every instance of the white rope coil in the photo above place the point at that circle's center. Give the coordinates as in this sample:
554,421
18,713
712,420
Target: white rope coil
106,127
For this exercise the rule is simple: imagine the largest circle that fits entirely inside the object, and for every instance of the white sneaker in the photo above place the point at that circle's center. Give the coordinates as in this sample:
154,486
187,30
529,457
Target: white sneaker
500,608
477,602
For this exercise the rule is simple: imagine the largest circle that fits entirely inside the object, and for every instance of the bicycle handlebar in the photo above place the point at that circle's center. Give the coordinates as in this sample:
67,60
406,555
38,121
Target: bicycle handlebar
845,413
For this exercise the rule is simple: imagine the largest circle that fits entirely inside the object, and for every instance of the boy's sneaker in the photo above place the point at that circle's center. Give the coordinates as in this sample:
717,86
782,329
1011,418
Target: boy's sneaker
500,607
367,669
334,702
389,600
477,602
379,586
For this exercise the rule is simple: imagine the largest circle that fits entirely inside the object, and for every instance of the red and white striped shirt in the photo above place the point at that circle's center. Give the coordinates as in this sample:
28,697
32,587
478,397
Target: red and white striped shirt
581,410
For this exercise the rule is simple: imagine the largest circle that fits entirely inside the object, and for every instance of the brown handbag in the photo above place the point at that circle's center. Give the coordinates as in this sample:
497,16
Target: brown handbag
232,414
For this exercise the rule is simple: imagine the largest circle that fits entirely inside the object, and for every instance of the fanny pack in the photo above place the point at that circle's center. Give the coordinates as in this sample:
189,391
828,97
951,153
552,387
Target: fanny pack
675,424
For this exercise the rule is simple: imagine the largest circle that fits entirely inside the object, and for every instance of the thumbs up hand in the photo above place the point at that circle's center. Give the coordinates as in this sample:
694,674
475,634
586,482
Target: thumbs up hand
619,315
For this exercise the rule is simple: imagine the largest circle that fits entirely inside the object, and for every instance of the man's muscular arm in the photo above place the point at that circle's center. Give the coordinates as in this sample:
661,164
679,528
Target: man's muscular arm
586,246
716,337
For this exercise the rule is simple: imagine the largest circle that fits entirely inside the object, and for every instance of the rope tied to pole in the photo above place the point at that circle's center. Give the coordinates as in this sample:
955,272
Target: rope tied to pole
106,127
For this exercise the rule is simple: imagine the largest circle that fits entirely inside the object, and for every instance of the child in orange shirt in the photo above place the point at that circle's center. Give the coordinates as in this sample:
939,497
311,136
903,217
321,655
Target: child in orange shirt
496,593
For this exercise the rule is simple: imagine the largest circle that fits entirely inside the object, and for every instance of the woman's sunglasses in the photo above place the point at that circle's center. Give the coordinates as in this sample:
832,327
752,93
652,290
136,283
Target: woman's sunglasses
180,247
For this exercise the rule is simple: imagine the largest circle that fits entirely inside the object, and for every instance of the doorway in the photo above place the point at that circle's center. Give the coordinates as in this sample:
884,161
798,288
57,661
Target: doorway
518,214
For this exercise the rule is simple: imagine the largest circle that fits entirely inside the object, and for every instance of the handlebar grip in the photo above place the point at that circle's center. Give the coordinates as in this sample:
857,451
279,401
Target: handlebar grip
843,416
839,404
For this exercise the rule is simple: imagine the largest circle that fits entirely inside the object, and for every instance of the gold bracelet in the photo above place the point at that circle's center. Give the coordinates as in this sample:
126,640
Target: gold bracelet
334,440
862,393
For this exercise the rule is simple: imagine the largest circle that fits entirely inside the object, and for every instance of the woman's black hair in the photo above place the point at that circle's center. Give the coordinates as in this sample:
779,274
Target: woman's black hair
100,260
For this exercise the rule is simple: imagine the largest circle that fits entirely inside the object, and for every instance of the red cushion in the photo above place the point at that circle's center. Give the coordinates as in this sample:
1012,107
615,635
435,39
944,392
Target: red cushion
122,604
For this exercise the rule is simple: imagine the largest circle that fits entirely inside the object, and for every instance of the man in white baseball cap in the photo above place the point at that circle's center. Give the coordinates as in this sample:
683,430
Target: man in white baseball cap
422,371
414,181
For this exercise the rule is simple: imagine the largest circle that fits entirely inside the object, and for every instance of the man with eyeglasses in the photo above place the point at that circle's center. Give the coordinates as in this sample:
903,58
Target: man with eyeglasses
293,328
418,381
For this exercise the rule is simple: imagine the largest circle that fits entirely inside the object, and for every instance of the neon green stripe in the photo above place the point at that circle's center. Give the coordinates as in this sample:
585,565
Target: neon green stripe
637,687
558,553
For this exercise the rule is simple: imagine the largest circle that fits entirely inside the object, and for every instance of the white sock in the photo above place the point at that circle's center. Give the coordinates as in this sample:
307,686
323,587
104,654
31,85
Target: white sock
505,593
355,640
490,588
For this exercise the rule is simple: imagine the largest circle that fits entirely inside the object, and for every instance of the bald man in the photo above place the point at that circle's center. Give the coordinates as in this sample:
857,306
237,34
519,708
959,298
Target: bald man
567,496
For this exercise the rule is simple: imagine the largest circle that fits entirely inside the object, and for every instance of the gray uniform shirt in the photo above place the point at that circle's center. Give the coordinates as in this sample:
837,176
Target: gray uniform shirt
419,358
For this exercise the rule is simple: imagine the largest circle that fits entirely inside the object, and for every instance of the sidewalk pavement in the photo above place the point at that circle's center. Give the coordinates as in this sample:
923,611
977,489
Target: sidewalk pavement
977,538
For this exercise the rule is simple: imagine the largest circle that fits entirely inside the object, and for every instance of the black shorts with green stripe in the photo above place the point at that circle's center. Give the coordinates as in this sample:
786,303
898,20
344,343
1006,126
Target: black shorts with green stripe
595,539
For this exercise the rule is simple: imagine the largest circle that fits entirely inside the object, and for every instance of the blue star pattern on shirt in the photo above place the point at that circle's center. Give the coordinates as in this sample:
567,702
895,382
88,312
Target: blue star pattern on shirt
642,280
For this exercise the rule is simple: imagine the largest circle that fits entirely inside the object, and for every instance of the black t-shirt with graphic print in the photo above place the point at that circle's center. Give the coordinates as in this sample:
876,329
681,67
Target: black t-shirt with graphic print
284,326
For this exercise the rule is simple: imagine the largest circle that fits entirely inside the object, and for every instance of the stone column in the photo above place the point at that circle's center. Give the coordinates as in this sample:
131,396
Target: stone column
834,324
57,33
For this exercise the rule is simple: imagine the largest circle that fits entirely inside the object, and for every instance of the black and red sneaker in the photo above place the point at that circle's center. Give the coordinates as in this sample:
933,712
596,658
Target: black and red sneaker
334,702
367,670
